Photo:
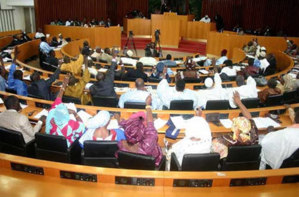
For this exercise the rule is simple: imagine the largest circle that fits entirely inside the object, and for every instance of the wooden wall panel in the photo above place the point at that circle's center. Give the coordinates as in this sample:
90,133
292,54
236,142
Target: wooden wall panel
49,10
253,14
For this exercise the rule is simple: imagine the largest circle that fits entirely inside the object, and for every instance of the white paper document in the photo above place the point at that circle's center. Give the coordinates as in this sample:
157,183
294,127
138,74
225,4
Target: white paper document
103,70
23,106
159,123
262,123
44,112
27,78
227,123
205,72
178,122
1,101
71,106
6,59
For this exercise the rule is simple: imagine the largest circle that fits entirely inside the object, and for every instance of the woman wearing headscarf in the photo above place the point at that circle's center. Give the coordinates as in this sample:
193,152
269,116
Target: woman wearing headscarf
141,135
244,130
59,122
287,83
97,129
197,138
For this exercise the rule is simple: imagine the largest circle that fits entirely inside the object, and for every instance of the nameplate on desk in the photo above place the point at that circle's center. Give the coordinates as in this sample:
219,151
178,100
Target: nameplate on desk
27,168
290,179
134,181
248,182
78,176
192,183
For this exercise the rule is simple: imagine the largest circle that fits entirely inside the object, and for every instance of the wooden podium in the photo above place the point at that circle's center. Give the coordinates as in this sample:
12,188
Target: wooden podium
171,26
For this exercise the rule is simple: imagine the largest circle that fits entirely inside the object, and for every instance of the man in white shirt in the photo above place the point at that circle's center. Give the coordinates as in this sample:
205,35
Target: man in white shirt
97,54
12,119
219,61
39,34
198,138
44,46
246,90
205,19
264,62
148,61
138,95
214,91
228,69
168,94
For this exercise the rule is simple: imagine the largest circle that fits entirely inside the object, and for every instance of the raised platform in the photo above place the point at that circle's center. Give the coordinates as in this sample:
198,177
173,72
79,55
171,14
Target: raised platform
184,45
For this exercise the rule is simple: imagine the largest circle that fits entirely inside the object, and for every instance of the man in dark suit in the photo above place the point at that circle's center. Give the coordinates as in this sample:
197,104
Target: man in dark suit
136,73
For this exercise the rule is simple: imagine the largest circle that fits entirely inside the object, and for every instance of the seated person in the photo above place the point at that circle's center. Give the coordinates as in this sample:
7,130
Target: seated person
245,90
148,60
44,46
97,54
151,51
271,69
264,62
97,129
287,83
15,77
205,19
15,41
219,61
228,69
168,62
137,95
271,90
141,135
59,122
250,49
104,86
213,91
51,62
73,67
280,145
136,73
12,119
76,86
168,94
39,34
198,138
25,37
251,69
106,56
41,87
244,130
54,42
3,84
161,70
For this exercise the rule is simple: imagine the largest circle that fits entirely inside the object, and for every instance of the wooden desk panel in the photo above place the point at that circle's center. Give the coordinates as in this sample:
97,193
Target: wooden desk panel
199,30
4,41
10,33
139,26
107,37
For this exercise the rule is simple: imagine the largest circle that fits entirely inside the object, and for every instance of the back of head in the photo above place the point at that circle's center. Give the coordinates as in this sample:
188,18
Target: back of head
228,63
54,39
250,43
107,50
73,80
240,80
100,76
180,85
139,83
85,44
66,59
43,39
223,52
272,83
12,102
18,75
139,66
52,53
250,62
168,57
35,76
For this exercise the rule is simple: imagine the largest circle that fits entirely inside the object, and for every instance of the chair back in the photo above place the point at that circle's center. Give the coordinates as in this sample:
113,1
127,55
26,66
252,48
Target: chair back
134,105
274,100
242,158
217,105
251,102
292,161
69,99
201,162
100,153
290,97
105,101
12,142
129,160
181,105
51,147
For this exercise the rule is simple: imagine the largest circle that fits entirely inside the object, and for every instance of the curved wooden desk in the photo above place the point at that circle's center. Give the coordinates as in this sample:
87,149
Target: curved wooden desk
115,181
10,33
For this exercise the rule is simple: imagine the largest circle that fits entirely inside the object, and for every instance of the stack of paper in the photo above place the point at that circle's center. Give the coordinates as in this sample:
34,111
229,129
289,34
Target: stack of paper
6,59
227,123
103,70
159,123
178,122
44,112
262,123
205,72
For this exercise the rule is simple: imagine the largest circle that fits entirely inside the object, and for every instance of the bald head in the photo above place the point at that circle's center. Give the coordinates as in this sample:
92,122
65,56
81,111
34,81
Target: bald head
139,83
